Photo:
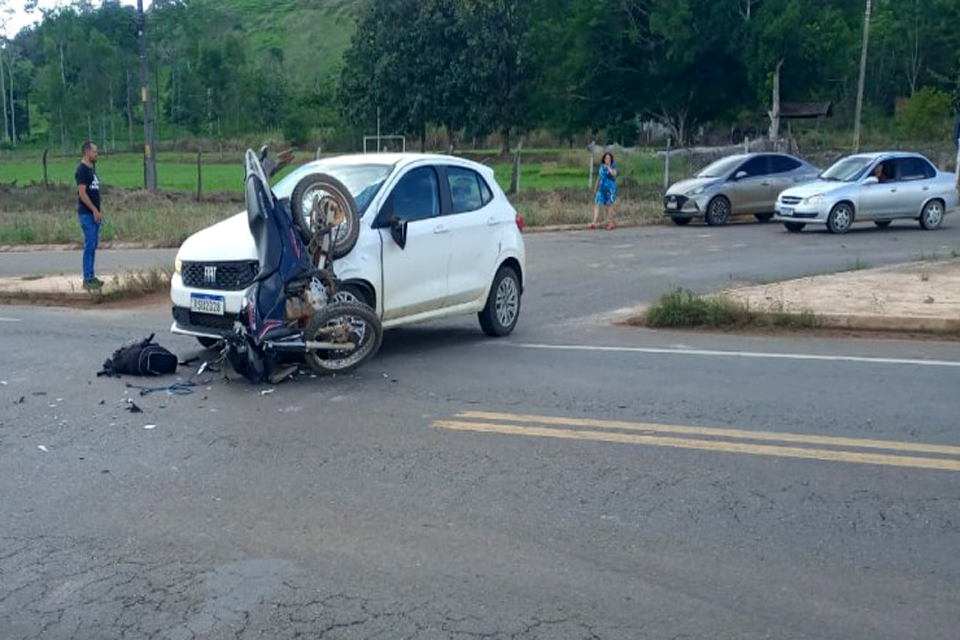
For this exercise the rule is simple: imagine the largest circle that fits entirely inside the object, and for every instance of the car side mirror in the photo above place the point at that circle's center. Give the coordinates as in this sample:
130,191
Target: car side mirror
871,180
740,175
398,231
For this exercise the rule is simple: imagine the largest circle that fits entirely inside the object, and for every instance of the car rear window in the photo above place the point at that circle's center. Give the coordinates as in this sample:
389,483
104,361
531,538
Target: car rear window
783,164
915,169
468,190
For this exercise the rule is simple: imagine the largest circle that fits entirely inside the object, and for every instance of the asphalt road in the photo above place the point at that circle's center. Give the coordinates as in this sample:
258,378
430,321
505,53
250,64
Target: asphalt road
576,480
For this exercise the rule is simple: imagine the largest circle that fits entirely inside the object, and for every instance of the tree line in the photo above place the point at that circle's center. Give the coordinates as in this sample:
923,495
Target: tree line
475,67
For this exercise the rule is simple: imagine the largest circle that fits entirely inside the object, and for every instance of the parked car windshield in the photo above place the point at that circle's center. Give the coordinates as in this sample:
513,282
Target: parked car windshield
721,167
362,180
847,169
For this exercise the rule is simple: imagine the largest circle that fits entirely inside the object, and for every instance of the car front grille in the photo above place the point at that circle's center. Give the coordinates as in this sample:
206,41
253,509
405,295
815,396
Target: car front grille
203,321
221,276
790,200
677,202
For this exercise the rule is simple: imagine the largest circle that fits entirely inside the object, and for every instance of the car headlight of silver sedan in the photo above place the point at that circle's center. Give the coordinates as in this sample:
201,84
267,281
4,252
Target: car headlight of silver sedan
699,190
815,200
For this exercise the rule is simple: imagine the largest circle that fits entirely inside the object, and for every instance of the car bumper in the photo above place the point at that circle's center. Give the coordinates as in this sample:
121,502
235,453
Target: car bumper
684,207
799,213
189,322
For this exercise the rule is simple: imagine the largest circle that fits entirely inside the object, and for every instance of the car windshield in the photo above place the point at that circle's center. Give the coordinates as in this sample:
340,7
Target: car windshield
847,169
362,180
721,167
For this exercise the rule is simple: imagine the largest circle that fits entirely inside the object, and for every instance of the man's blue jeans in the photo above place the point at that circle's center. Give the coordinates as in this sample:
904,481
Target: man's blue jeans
91,238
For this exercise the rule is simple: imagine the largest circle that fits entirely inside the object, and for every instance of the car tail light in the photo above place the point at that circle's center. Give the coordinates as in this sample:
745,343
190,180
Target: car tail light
520,221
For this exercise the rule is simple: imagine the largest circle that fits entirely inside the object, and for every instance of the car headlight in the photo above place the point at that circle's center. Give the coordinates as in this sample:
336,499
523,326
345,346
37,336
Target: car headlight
814,200
699,190
178,265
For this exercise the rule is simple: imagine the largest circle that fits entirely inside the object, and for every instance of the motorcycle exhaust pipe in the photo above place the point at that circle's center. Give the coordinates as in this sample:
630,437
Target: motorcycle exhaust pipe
299,346
338,346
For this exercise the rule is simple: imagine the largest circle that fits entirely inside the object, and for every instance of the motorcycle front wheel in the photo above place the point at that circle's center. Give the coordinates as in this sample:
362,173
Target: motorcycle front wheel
346,323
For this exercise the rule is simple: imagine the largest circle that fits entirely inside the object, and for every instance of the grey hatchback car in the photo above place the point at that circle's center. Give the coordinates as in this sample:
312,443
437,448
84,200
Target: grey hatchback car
740,184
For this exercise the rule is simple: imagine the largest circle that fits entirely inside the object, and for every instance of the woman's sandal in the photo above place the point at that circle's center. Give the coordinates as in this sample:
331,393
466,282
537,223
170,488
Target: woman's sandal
592,225
610,226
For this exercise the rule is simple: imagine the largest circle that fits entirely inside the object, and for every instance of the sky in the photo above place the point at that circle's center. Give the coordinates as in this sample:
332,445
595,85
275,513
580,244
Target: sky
21,18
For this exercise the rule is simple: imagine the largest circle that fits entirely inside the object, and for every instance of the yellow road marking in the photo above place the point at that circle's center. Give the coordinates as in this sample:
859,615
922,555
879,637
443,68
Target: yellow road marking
773,436
706,445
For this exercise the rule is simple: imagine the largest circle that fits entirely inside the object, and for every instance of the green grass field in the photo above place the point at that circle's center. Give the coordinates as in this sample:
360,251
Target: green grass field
177,171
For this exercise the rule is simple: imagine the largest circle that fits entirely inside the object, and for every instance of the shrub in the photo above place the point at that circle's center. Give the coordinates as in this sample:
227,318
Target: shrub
296,128
926,115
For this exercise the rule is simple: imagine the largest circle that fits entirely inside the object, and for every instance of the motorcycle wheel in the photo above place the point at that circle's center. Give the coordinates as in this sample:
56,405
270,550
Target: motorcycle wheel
331,195
343,322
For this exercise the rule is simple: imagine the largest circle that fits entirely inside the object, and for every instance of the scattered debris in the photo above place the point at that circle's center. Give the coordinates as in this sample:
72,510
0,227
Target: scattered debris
148,427
132,407
20,400
103,402
267,392
3,382
293,409
39,393
43,448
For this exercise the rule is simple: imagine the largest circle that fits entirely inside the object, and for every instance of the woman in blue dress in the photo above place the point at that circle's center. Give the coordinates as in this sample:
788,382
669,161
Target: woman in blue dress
606,191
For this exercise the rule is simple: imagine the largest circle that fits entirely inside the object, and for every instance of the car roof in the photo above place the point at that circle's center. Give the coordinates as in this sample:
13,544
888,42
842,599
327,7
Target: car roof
889,155
398,160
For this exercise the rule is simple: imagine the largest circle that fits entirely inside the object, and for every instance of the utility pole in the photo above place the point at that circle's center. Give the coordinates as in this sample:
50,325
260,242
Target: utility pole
863,73
149,153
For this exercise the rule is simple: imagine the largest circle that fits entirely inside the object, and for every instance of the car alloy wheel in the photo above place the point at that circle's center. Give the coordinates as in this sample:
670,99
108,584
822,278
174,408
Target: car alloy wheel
718,211
502,310
840,218
507,302
932,215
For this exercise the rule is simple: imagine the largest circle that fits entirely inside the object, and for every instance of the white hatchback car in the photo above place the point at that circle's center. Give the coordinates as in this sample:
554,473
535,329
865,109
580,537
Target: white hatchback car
437,238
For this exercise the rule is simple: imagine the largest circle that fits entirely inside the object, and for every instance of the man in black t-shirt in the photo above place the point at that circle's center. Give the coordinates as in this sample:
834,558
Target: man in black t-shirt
88,210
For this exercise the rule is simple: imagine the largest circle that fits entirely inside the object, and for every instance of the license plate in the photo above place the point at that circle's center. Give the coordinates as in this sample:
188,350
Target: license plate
786,211
206,303
672,204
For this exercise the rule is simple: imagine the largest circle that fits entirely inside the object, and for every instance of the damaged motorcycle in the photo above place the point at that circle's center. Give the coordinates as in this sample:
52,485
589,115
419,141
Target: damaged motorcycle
290,312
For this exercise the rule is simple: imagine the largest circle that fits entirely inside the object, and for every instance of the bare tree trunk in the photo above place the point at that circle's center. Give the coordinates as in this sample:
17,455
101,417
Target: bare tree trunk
63,131
515,174
863,71
774,113
103,129
13,110
89,127
129,115
3,93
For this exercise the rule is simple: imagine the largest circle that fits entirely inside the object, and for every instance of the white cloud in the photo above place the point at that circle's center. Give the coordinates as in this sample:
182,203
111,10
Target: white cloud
20,18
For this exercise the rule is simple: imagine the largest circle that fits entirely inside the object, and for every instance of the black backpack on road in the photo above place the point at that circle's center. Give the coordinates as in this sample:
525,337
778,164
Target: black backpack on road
144,358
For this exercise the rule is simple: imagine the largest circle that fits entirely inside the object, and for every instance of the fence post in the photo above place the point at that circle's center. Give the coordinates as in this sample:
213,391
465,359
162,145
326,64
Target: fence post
666,166
46,182
590,174
316,156
956,167
515,178
746,144
199,174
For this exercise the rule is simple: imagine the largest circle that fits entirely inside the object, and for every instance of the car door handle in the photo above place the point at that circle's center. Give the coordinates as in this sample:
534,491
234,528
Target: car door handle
926,188
440,229
765,184
492,222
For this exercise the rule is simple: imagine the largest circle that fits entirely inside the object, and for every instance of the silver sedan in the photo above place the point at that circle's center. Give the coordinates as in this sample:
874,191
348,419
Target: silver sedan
873,187
745,183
